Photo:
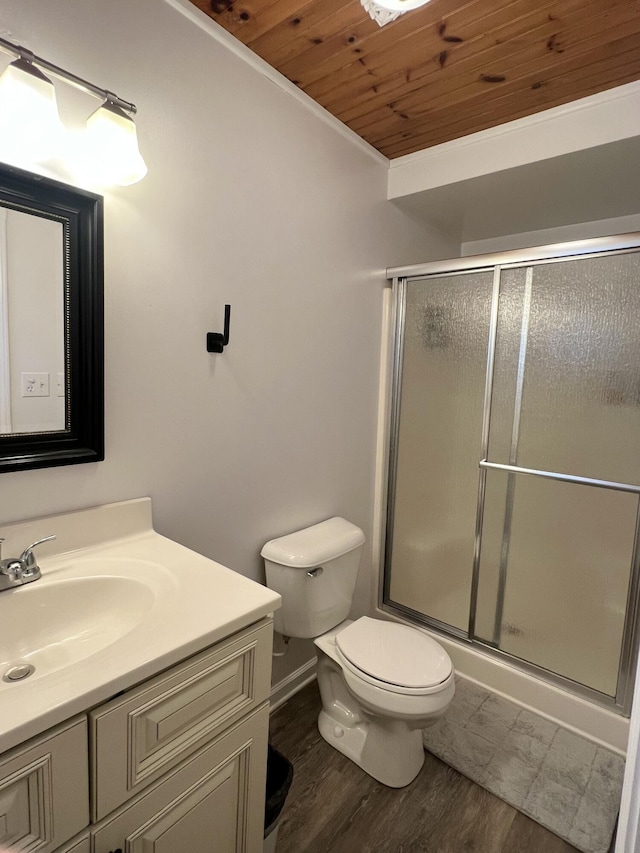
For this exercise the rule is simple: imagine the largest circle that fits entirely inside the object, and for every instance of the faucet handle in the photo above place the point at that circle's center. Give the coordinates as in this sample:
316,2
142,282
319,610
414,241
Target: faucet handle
12,569
27,555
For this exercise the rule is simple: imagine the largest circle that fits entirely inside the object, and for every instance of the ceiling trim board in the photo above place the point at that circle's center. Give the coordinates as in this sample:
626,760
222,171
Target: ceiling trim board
595,120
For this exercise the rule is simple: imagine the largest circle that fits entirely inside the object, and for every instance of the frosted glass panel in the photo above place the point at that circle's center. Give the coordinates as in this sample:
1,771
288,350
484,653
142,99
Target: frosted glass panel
505,371
439,444
568,570
581,394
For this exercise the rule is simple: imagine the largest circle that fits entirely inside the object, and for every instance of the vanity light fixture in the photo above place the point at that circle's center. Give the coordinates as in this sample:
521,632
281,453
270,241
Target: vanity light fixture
31,130
385,11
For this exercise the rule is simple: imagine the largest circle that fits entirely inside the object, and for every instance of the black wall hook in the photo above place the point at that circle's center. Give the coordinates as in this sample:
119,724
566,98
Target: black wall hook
216,342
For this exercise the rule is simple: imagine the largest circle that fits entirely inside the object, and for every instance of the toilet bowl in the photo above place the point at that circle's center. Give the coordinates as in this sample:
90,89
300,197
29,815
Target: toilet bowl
381,683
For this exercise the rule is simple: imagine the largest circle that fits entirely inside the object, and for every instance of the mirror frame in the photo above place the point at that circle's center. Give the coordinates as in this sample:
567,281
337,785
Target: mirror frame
82,216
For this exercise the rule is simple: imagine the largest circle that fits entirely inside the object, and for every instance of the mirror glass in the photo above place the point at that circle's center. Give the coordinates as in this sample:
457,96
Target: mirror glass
33,348
51,322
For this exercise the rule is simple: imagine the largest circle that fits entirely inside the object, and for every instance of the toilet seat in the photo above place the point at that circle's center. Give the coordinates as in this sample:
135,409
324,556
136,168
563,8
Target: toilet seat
393,657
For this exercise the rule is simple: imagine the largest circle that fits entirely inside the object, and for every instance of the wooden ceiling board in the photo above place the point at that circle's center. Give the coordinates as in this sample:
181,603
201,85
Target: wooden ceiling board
514,106
474,74
378,58
445,70
487,54
298,34
255,18
359,59
526,94
533,65
510,109
397,68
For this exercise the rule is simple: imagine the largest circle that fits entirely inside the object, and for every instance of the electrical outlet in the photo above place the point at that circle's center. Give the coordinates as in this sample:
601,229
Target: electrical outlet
35,384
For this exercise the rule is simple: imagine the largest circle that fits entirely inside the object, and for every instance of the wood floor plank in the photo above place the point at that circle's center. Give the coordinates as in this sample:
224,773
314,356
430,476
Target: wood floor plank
478,821
334,807
437,819
319,790
370,816
526,835
294,730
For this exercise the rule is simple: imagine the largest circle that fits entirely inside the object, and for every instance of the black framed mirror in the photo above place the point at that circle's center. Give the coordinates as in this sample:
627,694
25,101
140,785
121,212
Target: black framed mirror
51,323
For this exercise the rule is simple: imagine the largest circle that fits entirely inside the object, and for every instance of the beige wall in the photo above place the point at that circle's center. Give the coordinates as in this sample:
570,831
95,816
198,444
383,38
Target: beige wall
577,231
250,199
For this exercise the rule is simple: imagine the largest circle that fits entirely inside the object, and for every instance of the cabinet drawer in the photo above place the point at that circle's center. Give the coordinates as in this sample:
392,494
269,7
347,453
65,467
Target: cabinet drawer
213,803
44,789
145,732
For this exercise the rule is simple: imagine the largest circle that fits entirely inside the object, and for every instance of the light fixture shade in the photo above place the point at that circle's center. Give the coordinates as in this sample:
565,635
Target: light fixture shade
110,146
400,5
30,127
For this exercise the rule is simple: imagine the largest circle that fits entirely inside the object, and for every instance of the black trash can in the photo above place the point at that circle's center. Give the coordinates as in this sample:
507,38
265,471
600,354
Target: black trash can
279,778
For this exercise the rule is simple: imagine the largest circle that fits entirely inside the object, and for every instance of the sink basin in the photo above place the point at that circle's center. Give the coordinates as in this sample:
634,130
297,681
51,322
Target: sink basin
56,624
117,604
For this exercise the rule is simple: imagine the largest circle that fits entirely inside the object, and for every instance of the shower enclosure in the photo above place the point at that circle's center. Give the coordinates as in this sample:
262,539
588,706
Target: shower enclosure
514,485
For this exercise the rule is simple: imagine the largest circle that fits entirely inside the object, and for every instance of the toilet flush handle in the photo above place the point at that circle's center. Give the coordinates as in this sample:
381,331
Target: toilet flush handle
314,573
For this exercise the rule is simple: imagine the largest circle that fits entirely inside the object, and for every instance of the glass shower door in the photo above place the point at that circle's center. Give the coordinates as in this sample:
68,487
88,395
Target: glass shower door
515,478
441,398
558,538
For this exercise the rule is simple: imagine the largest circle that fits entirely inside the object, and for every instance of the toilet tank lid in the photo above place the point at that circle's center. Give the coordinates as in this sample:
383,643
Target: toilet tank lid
314,545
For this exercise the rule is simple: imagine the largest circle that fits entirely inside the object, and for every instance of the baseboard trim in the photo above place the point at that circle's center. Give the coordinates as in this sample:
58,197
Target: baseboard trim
289,686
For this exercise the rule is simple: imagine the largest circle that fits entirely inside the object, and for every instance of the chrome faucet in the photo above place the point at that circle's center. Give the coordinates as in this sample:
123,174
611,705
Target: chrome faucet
16,571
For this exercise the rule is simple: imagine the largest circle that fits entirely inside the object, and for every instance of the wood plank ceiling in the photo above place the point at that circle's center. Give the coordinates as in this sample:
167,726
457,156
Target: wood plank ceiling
445,70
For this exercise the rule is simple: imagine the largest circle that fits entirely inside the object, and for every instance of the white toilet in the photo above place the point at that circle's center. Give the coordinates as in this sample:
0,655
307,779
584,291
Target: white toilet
381,683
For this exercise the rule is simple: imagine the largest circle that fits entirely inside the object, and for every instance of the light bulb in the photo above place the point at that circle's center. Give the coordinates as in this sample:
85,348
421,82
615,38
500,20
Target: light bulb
30,127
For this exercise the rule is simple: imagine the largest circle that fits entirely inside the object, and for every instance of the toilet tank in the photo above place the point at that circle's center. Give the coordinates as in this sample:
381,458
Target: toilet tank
315,572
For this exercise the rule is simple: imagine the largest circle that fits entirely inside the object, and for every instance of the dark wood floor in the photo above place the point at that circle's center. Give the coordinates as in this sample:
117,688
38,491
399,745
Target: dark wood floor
334,807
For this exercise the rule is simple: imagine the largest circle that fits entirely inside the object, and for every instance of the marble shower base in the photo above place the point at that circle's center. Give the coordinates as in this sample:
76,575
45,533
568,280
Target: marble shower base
565,782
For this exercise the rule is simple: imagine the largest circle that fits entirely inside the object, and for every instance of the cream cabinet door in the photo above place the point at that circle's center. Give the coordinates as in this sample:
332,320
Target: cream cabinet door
143,734
81,846
213,803
44,789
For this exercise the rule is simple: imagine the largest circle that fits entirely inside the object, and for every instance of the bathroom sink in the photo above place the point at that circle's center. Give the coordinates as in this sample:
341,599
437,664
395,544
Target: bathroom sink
59,623
116,604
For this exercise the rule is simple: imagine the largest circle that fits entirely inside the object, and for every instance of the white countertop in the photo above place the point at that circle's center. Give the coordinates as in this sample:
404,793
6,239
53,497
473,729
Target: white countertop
186,601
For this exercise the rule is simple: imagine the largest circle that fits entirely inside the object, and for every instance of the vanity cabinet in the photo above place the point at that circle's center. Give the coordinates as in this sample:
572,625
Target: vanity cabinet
177,763
44,797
